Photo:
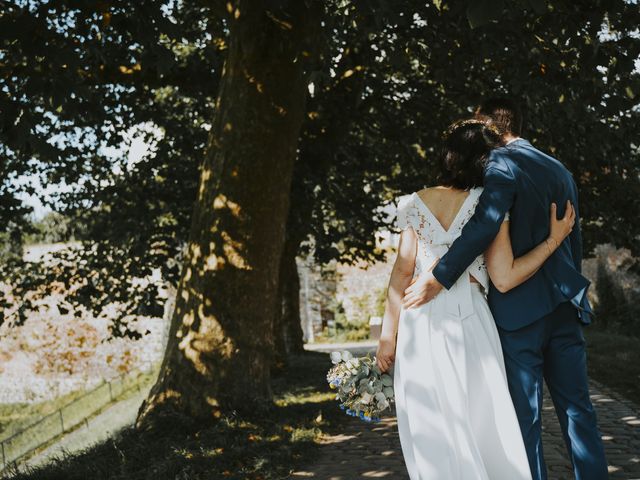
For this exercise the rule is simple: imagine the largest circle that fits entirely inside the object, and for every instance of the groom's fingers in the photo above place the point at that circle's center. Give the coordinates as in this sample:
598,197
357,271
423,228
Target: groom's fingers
413,301
570,213
407,301
573,214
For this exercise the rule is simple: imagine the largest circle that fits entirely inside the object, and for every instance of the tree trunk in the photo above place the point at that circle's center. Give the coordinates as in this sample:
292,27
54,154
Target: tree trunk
218,354
291,308
287,327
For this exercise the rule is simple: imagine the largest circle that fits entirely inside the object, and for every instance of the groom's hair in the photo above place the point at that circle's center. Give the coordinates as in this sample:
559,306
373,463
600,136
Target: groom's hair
504,113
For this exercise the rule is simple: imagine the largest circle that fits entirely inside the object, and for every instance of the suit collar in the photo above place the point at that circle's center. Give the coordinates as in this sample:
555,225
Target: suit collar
518,142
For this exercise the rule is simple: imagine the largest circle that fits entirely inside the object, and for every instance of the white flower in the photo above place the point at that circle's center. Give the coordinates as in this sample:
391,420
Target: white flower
336,357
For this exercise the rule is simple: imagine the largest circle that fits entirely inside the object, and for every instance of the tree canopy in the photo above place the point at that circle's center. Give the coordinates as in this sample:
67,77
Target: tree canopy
80,80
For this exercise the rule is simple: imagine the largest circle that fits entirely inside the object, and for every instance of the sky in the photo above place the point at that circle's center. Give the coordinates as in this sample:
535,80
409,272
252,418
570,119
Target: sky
134,147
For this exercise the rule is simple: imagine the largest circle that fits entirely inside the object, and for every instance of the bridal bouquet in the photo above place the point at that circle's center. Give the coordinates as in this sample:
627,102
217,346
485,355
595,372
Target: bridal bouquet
363,391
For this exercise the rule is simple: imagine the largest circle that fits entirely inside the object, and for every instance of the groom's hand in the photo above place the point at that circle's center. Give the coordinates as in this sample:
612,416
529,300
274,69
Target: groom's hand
423,290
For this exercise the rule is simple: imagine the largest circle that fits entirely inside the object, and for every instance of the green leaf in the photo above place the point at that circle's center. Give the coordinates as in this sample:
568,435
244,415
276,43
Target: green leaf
539,6
630,93
481,12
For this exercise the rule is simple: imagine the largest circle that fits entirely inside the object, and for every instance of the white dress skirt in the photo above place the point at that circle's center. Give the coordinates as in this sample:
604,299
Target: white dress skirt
455,415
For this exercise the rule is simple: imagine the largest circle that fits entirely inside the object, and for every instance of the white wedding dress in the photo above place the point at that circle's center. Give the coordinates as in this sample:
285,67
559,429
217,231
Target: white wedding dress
456,419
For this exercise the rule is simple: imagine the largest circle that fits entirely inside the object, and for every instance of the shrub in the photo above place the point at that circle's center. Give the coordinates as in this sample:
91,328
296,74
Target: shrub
616,310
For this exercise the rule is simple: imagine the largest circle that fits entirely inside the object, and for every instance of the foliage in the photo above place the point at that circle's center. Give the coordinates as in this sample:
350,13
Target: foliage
143,72
388,79
11,243
357,328
351,331
611,300
54,227
617,310
573,70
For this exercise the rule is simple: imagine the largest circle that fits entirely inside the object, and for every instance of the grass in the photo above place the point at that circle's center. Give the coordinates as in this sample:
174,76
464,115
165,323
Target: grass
262,448
345,332
16,416
614,360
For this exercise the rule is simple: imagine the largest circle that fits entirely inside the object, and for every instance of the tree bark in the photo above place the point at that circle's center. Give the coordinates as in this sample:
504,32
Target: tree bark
218,354
287,327
291,308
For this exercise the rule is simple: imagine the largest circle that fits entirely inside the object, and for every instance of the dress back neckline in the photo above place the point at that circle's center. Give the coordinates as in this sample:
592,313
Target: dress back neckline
458,215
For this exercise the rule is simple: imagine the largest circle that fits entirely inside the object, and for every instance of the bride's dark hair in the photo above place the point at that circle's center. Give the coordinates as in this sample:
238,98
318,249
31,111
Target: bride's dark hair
464,154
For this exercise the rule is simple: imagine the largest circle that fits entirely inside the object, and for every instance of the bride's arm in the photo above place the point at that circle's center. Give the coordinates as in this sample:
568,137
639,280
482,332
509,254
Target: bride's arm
507,272
401,276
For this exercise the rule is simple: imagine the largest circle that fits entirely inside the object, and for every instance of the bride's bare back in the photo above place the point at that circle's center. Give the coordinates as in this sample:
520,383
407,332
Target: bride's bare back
444,203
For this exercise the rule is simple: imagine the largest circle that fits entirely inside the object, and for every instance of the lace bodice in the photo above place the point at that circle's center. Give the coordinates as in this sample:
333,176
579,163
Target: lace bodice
434,241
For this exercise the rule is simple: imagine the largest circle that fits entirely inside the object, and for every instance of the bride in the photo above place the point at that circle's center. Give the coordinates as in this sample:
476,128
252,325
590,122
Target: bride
455,416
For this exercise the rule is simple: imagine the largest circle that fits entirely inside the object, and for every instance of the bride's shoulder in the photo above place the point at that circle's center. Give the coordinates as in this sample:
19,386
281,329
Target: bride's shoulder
405,215
404,200
476,191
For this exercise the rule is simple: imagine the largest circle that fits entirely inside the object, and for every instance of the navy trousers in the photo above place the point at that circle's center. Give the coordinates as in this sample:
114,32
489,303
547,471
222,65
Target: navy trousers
553,348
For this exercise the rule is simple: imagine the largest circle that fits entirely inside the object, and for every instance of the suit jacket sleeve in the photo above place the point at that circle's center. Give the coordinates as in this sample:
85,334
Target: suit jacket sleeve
575,237
478,233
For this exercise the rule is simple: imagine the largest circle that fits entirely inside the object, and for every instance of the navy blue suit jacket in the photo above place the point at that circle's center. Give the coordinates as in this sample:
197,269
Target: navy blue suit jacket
524,181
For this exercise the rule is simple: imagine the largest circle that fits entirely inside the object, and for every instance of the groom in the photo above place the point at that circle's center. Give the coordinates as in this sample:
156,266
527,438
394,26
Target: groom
540,321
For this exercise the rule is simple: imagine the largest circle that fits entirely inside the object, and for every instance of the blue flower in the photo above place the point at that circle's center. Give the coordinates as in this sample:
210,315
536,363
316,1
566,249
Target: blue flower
350,412
361,415
341,406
